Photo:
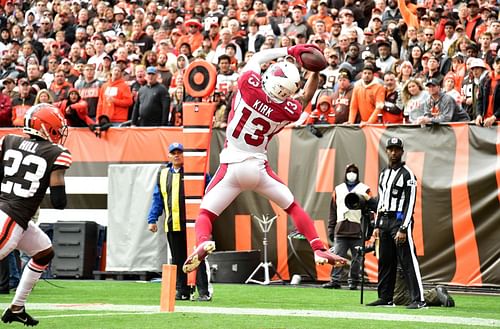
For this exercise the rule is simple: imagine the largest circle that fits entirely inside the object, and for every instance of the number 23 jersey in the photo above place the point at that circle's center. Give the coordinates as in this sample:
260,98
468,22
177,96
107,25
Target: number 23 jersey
27,165
254,120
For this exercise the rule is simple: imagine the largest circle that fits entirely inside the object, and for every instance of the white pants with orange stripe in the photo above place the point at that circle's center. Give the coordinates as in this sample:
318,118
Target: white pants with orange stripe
13,236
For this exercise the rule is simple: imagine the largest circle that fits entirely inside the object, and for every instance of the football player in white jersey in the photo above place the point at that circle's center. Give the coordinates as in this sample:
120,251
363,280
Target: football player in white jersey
262,107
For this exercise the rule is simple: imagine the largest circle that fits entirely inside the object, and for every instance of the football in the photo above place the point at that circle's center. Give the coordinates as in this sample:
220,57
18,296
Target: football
313,60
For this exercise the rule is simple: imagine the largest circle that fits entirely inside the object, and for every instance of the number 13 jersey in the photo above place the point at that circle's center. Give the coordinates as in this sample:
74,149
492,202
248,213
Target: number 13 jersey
254,120
26,165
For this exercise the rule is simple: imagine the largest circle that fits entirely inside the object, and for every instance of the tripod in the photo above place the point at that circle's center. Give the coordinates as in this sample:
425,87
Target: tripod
265,224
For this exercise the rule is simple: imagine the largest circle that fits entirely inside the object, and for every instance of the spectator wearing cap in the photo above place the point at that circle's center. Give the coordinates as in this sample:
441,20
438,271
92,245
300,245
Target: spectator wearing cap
433,70
88,87
375,24
471,85
341,98
114,99
283,15
104,73
367,98
358,14
60,87
488,100
440,107
193,37
385,60
5,107
141,40
169,198
474,19
331,71
153,102
298,25
347,17
22,102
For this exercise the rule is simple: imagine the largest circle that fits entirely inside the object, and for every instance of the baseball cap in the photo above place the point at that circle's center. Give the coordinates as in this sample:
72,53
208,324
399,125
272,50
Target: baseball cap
394,141
432,82
151,70
175,146
23,81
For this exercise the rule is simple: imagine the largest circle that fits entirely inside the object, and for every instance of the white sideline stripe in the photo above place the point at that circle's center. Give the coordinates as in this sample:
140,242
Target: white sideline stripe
100,216
86,185
269,312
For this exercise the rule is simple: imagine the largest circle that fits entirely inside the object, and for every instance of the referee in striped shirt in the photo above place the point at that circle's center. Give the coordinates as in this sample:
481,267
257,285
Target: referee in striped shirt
393,227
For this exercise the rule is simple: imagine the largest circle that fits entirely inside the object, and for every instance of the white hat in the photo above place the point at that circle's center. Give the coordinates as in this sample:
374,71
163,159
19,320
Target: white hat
477,62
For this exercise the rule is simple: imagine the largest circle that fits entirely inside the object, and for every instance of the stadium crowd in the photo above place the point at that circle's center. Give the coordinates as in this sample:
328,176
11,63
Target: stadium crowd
389,61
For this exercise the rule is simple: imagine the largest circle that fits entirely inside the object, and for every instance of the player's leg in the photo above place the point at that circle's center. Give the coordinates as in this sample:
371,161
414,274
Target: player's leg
35,243
273,188
221,191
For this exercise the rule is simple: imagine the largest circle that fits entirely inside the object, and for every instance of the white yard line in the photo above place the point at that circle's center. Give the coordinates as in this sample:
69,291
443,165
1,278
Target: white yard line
259,311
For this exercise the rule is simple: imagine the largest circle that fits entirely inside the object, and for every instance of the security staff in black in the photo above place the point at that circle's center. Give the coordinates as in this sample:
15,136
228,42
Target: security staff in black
169,196
393,228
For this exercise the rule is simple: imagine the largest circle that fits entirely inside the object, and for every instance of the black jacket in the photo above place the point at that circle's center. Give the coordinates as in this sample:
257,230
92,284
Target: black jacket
484,97
152,106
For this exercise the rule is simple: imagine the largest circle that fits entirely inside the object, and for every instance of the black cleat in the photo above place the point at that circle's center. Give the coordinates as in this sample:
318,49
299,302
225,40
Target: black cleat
331,285
382,303
416,305
8,316
444,297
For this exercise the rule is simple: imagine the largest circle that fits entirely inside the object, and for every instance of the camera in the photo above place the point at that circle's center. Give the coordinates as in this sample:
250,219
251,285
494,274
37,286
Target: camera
355,201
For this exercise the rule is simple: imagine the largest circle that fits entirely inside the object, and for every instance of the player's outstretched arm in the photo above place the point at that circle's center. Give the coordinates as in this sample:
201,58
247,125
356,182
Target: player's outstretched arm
310,88
262,57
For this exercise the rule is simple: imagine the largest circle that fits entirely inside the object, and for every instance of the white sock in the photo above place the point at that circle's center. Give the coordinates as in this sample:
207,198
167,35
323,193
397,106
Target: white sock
31,274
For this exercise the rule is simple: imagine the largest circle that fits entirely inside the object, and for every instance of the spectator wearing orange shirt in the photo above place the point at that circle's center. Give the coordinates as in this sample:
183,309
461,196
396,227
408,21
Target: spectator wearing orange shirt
115,98
367,98
322,15
324,112
194,36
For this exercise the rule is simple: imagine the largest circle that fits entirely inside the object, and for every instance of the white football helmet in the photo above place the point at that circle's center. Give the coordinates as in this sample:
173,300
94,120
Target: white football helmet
281,80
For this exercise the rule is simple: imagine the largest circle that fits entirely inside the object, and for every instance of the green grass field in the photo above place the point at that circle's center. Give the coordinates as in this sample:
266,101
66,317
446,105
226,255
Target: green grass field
126,304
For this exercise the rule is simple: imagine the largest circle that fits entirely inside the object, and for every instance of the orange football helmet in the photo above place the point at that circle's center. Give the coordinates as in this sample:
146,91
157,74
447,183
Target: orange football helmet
45,121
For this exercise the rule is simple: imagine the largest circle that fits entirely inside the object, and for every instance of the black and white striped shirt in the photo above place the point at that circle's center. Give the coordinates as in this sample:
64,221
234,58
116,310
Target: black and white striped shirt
397,192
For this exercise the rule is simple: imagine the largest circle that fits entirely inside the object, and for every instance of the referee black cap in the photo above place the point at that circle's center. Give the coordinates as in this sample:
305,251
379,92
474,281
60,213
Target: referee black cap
394,141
